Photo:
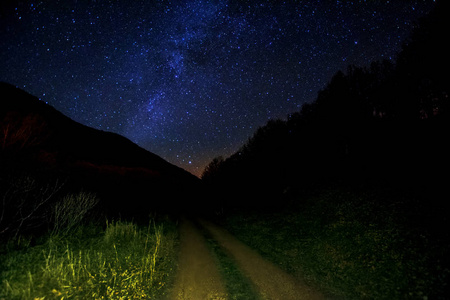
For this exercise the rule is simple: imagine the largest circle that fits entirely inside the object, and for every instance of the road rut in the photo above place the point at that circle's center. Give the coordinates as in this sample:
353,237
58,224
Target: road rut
197,276
271,281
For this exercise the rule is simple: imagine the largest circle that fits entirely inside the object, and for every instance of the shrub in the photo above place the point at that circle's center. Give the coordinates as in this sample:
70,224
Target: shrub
24,203
71,210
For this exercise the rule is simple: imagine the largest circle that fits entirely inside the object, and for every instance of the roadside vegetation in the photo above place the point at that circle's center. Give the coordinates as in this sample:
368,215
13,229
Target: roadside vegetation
56,246
123,261
350,244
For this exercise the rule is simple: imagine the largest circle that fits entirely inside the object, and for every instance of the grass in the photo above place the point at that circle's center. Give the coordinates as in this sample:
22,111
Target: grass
350,245
123,261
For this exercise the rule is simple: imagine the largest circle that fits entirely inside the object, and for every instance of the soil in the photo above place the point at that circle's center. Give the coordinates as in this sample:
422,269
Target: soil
198,277
271,281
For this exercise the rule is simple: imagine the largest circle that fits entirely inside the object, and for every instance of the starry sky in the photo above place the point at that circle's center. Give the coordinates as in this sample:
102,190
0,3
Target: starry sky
191,80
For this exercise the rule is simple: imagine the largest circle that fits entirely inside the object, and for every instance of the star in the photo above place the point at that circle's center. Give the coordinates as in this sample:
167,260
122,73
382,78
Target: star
191,80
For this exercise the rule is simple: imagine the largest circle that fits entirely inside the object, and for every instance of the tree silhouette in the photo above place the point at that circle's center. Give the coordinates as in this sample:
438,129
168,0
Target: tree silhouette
423,66
212,169
366,123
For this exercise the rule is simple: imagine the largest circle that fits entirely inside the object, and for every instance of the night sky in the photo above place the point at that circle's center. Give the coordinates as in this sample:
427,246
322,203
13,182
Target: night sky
191,80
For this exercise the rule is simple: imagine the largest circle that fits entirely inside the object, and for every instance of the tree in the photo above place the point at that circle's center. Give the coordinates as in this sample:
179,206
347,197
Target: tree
212,169
423,65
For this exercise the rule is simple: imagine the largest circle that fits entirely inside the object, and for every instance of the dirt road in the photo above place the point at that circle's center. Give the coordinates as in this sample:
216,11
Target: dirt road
198,277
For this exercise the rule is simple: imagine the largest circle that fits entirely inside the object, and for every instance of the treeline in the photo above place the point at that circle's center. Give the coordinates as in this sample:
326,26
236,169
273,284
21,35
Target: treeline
386,123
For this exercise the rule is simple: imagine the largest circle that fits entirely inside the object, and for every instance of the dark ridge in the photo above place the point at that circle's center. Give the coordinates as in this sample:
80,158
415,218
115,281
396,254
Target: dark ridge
35,137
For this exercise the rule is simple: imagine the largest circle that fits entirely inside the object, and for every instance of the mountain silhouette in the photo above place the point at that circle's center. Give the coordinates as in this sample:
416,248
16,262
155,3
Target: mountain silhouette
35,136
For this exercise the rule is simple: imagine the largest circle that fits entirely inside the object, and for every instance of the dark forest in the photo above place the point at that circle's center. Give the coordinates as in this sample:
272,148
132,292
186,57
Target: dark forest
386,123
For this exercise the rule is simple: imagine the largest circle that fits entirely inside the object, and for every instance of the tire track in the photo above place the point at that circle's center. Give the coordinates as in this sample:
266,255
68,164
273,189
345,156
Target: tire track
271,281
197,276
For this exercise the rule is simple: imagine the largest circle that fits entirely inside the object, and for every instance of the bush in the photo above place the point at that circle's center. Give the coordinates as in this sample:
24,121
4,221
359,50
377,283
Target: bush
71,210
24,203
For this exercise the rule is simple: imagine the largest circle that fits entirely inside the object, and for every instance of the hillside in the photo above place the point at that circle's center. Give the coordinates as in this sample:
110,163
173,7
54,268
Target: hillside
385,123
35,137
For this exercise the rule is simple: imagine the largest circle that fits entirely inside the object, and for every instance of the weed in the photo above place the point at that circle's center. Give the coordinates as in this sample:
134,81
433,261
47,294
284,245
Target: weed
125,262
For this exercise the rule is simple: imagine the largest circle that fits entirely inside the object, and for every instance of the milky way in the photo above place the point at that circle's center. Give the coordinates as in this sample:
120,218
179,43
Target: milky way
191,80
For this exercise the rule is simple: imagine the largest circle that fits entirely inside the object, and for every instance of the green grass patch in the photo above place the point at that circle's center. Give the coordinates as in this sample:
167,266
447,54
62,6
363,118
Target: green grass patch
123,261
350,245
237,285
